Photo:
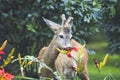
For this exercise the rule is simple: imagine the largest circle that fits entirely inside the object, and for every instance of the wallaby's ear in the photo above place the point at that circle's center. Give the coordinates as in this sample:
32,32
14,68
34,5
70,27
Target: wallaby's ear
70,21
54,26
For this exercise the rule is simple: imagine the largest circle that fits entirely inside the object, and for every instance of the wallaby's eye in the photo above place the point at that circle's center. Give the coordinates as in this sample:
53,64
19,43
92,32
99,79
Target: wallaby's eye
61,36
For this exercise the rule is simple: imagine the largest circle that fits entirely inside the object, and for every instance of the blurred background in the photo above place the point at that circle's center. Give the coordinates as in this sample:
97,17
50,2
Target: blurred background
96,24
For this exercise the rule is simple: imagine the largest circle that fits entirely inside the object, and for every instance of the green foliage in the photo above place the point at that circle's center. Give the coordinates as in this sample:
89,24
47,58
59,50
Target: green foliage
22,25
113,63
111,24
24,28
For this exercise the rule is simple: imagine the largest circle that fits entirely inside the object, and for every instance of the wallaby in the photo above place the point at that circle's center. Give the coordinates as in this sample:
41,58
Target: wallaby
62,40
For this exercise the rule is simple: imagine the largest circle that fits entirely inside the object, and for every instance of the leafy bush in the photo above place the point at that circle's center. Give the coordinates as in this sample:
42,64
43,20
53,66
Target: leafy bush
111,24
23,27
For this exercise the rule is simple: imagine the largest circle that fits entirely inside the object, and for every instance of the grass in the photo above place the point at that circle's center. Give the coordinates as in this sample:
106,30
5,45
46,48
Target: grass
111,67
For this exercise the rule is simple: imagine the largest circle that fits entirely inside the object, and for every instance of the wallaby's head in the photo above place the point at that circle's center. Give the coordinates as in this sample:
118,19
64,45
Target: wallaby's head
62,32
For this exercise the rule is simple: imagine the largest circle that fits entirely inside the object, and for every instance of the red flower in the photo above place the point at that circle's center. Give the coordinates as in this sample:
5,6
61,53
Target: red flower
69,54
95,63
1,52
5,75
2,72
69,51
74,49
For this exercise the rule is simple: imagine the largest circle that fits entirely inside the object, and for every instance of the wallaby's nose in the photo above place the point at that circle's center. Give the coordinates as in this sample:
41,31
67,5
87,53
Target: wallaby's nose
68,48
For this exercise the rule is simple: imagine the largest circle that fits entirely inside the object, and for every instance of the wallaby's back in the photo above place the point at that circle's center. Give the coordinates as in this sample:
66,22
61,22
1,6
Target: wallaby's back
64,64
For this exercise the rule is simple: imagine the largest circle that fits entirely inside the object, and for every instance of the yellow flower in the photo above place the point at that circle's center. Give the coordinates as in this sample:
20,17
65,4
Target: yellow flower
105,59
12,52
9,58
2,78
30,62
3,45
19,58
79,67
80,51
62,51
102,63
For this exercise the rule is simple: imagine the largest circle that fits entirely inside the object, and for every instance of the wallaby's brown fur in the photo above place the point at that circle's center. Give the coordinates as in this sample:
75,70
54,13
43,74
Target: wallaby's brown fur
48,55
42,51
63,63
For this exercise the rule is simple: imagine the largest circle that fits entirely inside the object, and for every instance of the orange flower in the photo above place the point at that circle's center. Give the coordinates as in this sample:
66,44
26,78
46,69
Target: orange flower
5,76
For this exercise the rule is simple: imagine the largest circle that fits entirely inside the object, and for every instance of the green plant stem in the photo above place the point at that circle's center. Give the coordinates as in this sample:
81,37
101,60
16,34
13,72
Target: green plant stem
74,59
26,78
21,69
98,74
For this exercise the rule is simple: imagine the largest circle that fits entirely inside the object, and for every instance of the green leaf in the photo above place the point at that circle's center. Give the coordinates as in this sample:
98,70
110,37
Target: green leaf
113,11
30,28
113,0
26,78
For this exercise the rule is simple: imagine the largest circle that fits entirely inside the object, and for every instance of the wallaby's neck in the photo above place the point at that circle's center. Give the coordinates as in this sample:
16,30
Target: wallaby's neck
51,53
52,47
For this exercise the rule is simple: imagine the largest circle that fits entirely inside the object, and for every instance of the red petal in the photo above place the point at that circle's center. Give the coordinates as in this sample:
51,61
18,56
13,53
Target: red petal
6,75
69,55
1,52
74,49
2,72
95,62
